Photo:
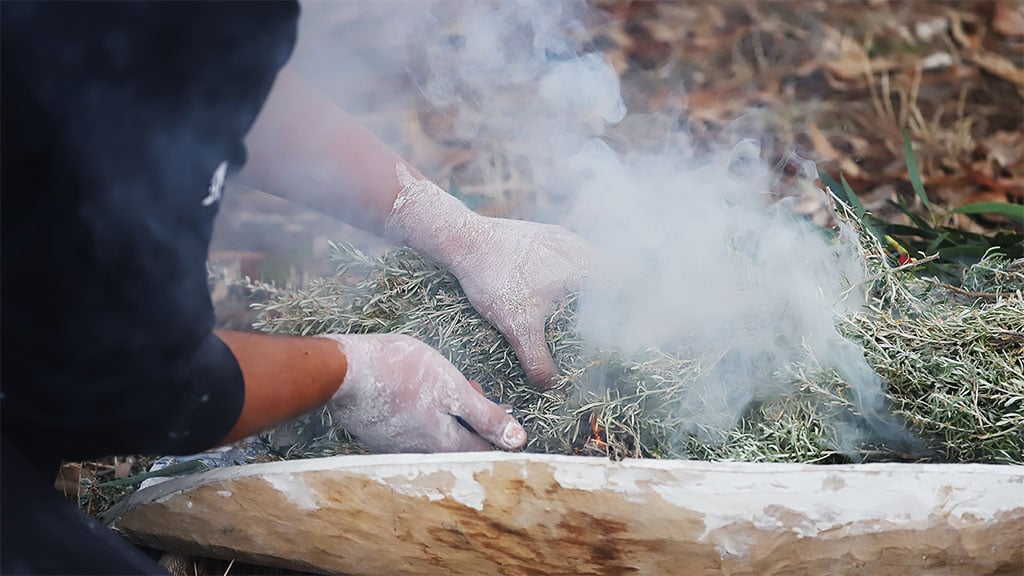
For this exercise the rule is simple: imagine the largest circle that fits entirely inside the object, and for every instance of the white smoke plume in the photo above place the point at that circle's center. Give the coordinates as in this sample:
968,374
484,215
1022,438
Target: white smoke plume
695,256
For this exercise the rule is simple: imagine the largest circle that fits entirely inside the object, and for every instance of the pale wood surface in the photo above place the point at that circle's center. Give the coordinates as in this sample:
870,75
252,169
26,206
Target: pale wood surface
521,514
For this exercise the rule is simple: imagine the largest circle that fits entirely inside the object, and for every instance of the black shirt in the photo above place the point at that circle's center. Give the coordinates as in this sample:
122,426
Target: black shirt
118,122
118,119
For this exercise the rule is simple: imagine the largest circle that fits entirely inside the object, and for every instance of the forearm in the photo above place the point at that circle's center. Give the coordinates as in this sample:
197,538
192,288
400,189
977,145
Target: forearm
306,149
284,377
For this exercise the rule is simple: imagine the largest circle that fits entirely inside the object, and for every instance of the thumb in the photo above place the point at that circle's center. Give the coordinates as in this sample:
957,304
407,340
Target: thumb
489,420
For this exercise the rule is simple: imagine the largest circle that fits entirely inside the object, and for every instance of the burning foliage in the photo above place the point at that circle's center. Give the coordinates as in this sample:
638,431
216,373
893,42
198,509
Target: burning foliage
952,358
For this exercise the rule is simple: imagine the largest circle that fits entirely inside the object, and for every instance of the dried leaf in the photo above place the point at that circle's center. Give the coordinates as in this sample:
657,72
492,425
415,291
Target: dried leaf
998,66
123,469
1004,148
850,61
827,151
1008,19
956,29
69,480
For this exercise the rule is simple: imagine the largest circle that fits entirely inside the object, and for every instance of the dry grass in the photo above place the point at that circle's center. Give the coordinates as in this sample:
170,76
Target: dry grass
951,358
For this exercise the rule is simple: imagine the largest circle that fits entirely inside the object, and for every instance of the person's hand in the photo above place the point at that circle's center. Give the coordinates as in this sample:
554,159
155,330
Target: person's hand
516,277
400,395
515,273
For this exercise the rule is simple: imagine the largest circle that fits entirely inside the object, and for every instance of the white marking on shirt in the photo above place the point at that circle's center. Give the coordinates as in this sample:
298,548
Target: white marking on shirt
216,184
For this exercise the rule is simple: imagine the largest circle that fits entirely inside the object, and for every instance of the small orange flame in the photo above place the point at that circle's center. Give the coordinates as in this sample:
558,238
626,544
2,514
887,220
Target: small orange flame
597,434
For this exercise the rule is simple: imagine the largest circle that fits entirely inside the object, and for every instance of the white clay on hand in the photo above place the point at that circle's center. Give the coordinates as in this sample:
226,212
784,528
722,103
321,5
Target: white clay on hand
400,395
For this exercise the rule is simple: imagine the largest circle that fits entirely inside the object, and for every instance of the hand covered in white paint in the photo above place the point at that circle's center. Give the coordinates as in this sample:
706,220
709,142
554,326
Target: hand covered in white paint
515,273
400,395
516,278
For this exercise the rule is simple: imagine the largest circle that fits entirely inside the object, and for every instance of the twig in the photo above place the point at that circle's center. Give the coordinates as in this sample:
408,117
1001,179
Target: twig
959,290
885,273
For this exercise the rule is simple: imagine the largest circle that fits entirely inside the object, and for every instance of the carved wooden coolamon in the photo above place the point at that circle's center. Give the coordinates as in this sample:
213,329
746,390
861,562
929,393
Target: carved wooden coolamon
523,514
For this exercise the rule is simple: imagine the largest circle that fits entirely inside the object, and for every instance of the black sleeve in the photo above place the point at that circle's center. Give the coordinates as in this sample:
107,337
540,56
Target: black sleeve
118,120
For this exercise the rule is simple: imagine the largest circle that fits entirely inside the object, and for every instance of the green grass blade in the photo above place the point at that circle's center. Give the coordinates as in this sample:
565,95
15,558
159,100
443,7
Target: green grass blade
1014,212
901,230
965,250
833,185
942,237
851,197
916,219
844,192
1010,244
914,172
172,470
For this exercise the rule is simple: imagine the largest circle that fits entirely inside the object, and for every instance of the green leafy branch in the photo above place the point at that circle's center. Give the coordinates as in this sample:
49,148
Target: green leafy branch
925,235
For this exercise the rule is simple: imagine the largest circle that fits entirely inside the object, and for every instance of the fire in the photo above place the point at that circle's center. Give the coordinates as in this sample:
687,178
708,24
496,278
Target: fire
586,441
597,434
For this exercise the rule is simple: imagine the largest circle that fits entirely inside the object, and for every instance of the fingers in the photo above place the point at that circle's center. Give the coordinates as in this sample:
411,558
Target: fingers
467,441
532,350
569,276
539,366
466,437
489,421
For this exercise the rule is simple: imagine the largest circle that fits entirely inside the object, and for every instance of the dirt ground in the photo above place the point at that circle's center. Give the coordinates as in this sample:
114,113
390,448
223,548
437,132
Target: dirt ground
834,82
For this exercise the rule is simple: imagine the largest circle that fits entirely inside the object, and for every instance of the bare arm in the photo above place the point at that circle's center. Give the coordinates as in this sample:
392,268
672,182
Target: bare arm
284,377
306,149
368,381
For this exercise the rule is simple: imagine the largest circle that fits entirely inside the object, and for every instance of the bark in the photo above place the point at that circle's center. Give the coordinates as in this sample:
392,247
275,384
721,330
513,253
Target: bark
525,514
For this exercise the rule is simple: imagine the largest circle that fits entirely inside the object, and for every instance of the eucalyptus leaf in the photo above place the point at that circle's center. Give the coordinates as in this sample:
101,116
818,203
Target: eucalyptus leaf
1014,212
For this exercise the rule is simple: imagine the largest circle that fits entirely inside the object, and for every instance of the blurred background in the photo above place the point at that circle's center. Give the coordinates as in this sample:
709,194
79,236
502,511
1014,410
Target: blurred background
836,83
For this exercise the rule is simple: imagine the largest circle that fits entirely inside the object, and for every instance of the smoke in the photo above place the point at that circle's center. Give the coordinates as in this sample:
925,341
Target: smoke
696,258
695,255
